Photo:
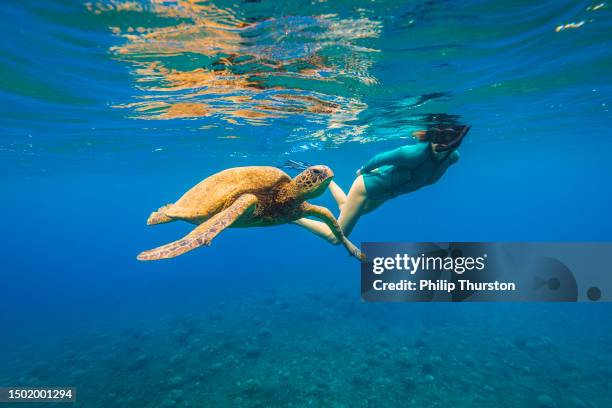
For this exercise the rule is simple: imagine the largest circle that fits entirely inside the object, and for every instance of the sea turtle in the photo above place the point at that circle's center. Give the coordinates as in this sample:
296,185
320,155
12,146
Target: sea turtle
245,197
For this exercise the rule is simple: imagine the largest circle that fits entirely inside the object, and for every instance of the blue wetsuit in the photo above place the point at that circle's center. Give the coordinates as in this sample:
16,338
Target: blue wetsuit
404,170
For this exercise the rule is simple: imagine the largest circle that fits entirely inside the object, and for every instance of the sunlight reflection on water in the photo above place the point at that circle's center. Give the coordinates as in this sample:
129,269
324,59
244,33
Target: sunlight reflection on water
197,60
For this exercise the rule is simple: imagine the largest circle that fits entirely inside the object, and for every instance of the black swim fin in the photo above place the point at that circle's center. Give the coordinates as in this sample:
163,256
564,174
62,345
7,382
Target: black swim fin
296,165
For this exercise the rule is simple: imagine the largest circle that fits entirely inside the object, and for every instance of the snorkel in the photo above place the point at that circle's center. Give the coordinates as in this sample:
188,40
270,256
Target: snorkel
447,138
443,139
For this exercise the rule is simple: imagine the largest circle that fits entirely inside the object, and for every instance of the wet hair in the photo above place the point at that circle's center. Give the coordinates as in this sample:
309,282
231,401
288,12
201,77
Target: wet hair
446,137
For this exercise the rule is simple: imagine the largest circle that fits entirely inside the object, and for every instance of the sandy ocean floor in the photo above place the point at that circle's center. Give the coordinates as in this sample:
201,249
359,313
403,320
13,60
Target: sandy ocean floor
323,349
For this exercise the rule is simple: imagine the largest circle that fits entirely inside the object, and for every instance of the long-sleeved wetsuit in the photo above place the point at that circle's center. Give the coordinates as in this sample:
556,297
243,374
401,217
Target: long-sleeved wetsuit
404,170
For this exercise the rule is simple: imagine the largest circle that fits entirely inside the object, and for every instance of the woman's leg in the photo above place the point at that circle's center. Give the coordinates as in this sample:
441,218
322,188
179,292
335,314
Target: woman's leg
318,228
349,215
338,194
353,206
349,211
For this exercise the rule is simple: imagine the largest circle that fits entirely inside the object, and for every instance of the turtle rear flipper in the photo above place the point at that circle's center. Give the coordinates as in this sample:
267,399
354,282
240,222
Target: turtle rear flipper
158,217
204,233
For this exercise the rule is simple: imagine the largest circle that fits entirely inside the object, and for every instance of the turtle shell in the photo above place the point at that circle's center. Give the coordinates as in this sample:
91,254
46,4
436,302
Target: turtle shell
219,191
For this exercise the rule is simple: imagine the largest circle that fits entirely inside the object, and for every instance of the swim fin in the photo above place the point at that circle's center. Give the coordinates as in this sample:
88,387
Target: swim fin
296,165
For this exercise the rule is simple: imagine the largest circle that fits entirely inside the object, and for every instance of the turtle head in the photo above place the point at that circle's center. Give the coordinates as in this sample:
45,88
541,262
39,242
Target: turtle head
313,181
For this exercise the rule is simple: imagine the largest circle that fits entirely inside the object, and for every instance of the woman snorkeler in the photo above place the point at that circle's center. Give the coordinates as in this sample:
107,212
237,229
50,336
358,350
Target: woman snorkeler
390,174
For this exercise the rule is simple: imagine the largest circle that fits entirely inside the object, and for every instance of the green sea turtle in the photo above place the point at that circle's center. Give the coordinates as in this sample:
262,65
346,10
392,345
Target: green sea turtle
245,197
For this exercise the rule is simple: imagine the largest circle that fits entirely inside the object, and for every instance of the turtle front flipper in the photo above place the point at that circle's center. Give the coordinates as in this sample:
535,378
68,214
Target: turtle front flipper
204,233
328,218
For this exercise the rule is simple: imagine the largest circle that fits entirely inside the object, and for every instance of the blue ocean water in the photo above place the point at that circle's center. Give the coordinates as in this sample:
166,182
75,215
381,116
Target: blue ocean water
111,109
